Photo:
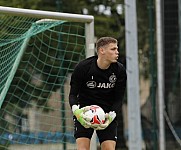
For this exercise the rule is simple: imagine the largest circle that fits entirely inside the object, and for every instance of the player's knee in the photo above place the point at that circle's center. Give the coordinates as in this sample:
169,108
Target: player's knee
108,145
83,144
83,148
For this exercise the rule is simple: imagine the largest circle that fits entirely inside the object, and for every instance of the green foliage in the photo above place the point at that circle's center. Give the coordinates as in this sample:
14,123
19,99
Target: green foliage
108,21
105,25
143,37
31,4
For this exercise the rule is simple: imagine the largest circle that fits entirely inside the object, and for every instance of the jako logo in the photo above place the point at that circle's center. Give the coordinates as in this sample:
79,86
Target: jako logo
93,84
106,85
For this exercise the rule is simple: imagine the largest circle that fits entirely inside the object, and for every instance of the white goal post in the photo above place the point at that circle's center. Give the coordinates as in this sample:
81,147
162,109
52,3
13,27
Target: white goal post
134,112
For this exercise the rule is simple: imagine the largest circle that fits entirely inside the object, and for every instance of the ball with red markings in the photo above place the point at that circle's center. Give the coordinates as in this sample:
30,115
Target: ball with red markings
96,115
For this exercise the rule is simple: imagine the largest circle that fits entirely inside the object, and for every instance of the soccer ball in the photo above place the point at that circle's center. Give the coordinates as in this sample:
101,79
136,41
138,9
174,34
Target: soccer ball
96,115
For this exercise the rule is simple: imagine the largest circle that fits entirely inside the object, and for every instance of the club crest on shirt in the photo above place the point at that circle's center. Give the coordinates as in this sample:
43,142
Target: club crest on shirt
112,78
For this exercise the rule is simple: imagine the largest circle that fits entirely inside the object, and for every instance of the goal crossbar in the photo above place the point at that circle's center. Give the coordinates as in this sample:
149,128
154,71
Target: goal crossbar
47,14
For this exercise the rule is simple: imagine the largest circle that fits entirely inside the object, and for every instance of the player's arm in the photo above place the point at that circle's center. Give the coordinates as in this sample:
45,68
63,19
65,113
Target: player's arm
75,85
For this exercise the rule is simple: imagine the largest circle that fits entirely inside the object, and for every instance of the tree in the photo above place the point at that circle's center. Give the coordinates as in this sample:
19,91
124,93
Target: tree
31,4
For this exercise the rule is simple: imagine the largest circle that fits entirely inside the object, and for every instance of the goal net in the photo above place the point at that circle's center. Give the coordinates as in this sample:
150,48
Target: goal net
38,52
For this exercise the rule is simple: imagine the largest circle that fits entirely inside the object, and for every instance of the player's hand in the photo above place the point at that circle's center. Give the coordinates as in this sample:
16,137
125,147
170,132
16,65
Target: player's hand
79,113
109,118
97,127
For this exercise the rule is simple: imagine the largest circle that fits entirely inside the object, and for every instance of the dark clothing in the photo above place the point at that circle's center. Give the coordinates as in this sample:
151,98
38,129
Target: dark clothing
110,133
91,85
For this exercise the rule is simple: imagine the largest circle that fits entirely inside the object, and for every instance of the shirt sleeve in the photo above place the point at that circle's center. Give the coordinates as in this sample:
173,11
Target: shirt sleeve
75,85
120,91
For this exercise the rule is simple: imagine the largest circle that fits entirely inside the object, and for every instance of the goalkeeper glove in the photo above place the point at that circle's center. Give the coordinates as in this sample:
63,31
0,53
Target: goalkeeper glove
79,113
109,118
97,127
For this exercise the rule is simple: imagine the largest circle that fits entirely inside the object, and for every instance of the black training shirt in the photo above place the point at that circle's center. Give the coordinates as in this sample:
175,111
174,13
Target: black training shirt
91,85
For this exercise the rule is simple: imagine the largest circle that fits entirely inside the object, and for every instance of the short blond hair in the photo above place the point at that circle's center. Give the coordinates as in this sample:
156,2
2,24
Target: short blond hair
105,41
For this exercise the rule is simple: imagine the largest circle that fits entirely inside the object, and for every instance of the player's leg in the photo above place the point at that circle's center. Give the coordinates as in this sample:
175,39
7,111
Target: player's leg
108,145
82,135
83,143
108,136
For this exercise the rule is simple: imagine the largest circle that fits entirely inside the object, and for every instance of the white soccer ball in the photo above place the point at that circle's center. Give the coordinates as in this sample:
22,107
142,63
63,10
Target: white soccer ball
96,114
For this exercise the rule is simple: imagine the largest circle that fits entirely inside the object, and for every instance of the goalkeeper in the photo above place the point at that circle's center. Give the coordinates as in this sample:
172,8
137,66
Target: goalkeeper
98,80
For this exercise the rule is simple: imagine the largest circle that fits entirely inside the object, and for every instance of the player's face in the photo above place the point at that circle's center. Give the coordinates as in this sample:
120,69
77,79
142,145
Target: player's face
111,52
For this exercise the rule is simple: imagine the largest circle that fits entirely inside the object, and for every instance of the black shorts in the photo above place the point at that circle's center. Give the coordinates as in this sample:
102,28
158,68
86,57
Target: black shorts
110,133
